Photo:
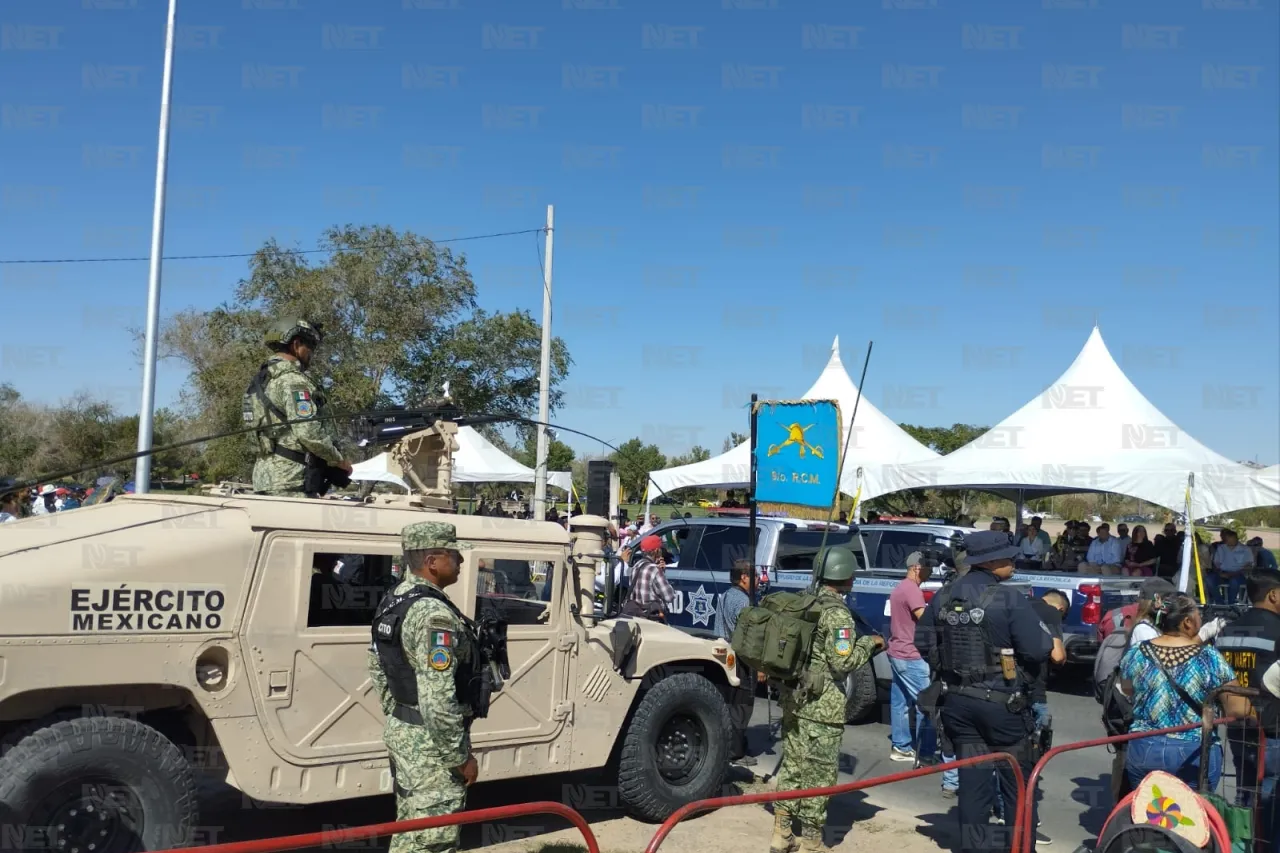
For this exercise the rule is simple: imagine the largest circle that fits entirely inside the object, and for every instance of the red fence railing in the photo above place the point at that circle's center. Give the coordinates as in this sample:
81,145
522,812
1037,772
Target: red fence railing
335,837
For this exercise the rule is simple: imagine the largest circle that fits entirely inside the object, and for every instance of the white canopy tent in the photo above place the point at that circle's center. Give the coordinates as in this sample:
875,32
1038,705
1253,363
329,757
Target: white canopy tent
1093,430
476,461
1269,477
878,444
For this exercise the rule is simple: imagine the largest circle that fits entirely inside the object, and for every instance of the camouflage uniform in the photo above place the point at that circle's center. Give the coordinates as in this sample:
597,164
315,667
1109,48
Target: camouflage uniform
812,728
294,392
424,758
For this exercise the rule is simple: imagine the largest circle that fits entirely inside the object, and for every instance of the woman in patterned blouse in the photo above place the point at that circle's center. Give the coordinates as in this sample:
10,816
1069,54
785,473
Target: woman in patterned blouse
1153,672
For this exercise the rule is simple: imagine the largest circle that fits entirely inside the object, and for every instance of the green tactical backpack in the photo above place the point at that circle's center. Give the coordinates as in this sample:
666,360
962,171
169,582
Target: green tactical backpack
776,637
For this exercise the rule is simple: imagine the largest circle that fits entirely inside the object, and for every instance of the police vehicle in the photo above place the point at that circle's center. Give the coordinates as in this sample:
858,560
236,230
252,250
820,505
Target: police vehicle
700,551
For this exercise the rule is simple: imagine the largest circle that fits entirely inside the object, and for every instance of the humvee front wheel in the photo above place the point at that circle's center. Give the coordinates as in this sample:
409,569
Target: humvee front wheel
101,784
676,749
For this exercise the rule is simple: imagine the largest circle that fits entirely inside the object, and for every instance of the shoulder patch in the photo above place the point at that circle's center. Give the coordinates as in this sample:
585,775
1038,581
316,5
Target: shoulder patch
844,633
301,396
440,620
440,659
304,408
843,648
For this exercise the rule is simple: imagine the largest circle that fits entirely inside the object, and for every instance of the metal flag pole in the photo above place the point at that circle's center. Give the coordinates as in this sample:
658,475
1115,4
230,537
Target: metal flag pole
146,414
544,383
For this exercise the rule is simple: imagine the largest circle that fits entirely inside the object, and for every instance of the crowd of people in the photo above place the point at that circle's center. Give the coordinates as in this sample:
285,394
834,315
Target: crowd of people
17,503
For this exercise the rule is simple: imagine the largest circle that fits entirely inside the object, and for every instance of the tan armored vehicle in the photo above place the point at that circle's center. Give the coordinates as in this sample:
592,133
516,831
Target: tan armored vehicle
154,637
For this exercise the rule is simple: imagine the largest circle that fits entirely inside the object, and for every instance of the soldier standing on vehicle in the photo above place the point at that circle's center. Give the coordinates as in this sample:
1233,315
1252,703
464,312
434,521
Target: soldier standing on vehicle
291,459
419,646
813,720
981,640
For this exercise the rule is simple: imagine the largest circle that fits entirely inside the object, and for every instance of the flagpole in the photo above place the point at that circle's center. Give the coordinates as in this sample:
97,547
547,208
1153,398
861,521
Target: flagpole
146,413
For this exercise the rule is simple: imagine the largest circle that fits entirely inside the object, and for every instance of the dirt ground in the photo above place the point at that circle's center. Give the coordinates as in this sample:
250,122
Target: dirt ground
854,825
739,829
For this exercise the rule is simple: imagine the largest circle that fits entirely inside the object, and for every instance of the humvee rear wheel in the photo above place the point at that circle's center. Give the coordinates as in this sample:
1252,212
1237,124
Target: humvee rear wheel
676,749
97,785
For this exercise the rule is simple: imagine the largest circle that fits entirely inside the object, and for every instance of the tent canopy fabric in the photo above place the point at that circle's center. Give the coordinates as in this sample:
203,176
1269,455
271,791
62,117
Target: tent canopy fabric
476,461
875,437
1093,430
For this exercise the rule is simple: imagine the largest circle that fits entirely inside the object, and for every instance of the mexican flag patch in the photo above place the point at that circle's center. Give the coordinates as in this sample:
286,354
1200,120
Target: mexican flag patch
301,396
442,638
844,633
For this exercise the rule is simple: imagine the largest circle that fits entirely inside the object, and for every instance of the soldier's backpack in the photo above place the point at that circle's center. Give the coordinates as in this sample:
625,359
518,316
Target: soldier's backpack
776,637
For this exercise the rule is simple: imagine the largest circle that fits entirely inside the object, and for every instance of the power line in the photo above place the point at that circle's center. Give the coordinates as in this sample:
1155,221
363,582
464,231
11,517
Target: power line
251,254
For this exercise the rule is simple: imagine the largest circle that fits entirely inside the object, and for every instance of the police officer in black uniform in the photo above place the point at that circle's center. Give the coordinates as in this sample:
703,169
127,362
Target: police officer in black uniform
980,639
1250,645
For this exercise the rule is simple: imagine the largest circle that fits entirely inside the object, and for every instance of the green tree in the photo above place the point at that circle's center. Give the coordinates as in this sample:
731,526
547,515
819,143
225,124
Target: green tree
733,440
400,319
634,460
560,456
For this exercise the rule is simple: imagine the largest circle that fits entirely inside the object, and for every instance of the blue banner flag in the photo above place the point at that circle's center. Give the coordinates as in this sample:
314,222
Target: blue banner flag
798,446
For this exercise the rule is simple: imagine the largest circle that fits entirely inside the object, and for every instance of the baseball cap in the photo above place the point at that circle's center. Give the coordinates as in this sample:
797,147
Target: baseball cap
919,558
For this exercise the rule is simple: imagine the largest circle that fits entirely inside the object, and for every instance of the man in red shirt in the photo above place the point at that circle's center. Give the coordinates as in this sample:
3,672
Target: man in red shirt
910,670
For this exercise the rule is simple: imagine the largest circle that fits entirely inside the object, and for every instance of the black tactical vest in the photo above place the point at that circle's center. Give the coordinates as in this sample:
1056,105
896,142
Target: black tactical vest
966,657
480,660
1249,645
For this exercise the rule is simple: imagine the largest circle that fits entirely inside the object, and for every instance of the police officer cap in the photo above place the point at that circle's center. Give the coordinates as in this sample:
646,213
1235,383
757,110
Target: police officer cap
987,546
283,331
835,564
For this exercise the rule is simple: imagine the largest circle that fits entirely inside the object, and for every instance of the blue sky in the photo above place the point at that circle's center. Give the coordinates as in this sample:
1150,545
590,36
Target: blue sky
736,182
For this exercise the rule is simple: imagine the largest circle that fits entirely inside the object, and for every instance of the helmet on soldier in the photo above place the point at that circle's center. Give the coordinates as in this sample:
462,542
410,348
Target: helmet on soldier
835,564
281,333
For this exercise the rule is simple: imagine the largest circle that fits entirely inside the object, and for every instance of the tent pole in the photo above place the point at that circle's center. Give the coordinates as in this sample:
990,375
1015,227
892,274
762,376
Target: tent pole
1184,576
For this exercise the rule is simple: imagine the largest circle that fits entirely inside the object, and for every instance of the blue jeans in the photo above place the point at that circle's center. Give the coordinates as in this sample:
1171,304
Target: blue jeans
909,678
1178,756
1234,582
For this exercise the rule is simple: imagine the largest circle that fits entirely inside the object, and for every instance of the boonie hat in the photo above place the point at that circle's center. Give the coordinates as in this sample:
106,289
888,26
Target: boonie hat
986,546
431,536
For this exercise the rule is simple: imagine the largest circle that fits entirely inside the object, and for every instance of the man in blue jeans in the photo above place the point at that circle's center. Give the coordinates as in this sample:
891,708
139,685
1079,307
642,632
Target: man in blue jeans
911,672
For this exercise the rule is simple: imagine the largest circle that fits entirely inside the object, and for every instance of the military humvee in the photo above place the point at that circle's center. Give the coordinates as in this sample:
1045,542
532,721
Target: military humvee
155,637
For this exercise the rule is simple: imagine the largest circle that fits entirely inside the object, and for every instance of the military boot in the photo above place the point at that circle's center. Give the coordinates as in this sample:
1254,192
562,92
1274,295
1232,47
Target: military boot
811,840
784,840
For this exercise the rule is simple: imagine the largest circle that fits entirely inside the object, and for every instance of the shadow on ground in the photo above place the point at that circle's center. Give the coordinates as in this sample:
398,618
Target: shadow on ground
230,816
1093,792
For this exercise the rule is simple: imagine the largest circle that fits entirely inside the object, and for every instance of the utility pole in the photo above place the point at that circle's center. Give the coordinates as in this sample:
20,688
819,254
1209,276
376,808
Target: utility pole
544,382
146,416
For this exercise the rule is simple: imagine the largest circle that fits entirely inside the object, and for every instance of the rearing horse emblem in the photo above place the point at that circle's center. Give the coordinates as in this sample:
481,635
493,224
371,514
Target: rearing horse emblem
795,435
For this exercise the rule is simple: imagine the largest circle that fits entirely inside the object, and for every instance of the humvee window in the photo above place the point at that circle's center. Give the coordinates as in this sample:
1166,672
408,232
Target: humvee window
517,591
346,589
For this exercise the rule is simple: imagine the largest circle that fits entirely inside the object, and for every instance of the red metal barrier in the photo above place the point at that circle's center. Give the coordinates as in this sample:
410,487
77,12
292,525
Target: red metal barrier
359,833
699,806
1024,821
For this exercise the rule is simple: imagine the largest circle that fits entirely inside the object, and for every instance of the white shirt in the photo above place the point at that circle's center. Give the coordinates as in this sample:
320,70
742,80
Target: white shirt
1144,631
6,517
1032,546
38,507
